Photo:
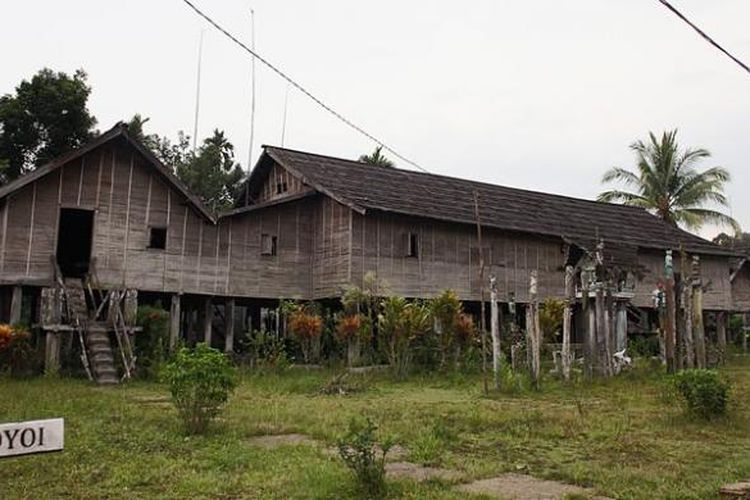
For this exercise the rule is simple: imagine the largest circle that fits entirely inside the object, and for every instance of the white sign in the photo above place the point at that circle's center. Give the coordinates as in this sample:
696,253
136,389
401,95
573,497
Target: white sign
37,436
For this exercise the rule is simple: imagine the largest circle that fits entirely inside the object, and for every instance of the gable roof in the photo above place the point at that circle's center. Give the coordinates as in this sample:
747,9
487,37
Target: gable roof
119,131
364,187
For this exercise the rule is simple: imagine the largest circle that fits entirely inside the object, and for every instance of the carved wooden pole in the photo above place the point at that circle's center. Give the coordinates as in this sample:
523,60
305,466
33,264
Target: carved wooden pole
590,328
699,334
567,321
495,327
16,301
670,323
174,321
533,328
229,313
721,335
687,300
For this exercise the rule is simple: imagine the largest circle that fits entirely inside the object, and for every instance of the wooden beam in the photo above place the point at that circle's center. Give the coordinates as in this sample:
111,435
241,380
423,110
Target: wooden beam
721,335
229,313
16,301
175,315
31,229
51,352
567,322
495,329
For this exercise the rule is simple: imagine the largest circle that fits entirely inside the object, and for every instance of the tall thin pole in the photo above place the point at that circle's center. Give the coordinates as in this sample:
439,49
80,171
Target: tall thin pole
198,91
252,95
283,123
482,324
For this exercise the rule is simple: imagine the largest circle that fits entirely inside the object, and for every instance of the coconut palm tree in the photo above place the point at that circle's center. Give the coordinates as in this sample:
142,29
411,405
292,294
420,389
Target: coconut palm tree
668,184
376,158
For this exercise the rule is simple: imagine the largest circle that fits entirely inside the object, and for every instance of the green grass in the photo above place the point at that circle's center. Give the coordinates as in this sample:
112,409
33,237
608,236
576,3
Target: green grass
620,437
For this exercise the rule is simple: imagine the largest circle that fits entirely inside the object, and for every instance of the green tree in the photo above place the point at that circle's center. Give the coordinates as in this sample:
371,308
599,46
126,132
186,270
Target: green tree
211,172
170,154
377,158
739,240
668,184
46,117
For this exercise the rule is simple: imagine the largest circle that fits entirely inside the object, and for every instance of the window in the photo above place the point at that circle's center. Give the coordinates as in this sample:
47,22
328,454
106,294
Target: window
412,245
268,244
157,238
281,187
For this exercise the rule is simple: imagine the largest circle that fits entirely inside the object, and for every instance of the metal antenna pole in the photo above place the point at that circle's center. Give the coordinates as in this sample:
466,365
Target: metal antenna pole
283,124
252,95
198,91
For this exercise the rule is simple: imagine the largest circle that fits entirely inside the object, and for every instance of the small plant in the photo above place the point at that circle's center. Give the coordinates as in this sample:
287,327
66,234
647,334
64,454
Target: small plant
704,392
365,456
353,330
152,343
200,381
264,349
401,325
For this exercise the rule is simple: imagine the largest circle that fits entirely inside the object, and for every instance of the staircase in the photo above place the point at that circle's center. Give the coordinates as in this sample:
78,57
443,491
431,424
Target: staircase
84,305
101,356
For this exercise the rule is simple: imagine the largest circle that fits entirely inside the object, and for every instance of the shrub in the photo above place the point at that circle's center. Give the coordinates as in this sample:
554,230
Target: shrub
16,352
353,330
551,319
307,328
152,343
264,350
401,325
705,392
200,381
361,452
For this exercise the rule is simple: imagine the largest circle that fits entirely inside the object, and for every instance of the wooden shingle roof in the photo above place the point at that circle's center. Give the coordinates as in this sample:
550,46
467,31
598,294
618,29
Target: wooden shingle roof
581,222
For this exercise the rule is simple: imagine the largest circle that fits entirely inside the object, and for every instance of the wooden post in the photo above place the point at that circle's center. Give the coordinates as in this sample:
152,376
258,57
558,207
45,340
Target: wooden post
208,316
600,330
721,335
699,334
590,319
175,315
52,352
229,310
482,320
567,320
621,326
743,339
670,323
687,334
533,328
16,301
495,328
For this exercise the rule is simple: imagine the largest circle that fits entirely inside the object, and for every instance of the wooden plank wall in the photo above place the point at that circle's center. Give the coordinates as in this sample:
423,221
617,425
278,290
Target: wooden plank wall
741,289
331,271
448,258
714,270
280,174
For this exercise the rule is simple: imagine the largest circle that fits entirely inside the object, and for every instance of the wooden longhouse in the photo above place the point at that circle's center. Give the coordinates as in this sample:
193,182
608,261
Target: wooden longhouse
110,223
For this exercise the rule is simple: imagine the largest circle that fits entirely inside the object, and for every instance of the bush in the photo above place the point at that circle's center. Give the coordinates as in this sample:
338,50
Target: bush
200,381
361,452
152,344
16,353
705,392
264,349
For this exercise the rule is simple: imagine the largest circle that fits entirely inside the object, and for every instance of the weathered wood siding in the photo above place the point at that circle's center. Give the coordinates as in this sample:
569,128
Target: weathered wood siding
279,175
288,274
741,290
448,257
332,242
714,271
127,197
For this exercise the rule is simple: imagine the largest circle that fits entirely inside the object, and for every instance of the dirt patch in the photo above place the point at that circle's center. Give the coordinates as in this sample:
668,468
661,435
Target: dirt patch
419,473
523,487
274,441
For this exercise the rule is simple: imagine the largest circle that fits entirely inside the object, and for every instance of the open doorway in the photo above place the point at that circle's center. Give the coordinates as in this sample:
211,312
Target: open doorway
74,238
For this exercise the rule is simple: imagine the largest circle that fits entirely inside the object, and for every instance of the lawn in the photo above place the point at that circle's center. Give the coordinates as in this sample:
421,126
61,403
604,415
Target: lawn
621,437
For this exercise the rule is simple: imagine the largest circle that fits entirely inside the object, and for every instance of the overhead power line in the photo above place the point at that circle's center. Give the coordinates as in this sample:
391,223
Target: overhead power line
302,89
704,35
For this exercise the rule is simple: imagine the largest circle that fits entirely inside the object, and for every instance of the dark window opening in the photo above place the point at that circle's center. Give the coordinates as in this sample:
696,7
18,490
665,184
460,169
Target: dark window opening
412,245
74,237
158,238
281,187
268,244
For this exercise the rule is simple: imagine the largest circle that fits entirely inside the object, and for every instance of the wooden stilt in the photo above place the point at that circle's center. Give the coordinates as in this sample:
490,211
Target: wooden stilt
721,335
670,315
229,314
743,337
687,334
699,334
16,301
52,352
175,315
533,329
208,317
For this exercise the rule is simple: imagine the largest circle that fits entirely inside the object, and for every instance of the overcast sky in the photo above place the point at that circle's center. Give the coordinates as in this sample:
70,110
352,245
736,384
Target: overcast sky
542,95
